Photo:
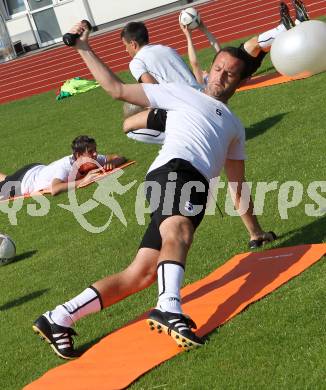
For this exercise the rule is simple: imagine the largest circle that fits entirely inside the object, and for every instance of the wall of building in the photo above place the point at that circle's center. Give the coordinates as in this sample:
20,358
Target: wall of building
20,29
68,12
104,11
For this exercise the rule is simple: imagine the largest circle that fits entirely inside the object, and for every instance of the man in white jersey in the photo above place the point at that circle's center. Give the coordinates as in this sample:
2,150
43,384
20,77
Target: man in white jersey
54,177
255,48
145,66
161,64
202,137
156,64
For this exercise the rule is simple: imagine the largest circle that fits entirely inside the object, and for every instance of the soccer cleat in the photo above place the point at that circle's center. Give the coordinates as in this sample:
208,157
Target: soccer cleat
254,244
300,11
285,16
59,337
176,325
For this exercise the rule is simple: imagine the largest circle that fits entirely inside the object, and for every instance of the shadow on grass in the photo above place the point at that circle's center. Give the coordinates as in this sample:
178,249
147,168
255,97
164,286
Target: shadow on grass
259,273
23,256
264,71
260,127
313,233
84,347
253,270
255,277
20,301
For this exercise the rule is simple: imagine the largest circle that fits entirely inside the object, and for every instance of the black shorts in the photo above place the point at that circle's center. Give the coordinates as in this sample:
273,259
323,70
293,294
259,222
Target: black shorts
252,63
15,190
183,191
156,119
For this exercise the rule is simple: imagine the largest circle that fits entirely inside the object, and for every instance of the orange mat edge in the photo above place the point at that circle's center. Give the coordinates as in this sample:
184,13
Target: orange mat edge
47,191
267,80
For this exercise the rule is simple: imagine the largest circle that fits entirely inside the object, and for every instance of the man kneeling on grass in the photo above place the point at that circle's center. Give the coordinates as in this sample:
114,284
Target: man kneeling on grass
54,177
202,137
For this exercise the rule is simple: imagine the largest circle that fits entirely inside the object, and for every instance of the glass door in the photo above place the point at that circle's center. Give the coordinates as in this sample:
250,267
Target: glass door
44,21
6,49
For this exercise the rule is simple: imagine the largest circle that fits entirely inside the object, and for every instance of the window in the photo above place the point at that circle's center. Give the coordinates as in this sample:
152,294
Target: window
14,6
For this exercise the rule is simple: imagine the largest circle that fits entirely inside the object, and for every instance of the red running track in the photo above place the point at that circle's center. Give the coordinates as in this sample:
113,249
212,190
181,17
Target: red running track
226,19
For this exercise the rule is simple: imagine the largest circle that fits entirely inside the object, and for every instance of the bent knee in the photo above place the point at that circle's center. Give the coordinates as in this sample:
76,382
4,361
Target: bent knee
127,126
177,232
130,109
181,240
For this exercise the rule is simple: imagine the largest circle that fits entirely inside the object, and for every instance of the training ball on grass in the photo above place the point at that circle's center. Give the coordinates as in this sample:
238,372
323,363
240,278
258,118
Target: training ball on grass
189,17
301,51
7,249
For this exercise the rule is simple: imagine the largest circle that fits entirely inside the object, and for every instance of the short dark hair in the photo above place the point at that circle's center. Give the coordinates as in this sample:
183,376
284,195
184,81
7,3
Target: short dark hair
241,54
81,144
135,31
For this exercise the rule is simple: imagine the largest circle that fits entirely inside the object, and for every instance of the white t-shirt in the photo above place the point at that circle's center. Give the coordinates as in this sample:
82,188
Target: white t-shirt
164,64
40,177
199,129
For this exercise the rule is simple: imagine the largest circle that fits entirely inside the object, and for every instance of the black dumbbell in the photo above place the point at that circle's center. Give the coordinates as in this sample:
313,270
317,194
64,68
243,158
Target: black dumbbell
70,39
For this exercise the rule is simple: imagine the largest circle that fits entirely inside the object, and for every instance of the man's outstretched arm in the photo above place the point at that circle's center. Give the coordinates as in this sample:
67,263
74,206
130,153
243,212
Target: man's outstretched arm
235,171
132,93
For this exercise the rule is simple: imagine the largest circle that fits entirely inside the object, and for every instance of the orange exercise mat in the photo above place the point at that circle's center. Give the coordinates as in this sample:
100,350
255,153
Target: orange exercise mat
266,80
102,175
126,354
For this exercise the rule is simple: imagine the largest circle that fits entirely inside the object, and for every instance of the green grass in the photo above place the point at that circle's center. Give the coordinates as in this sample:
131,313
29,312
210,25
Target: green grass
279,342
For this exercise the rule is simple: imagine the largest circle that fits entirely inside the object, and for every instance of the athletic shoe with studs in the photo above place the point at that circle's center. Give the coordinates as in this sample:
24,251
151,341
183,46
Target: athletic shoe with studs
300,11
176,325
59,337
285,16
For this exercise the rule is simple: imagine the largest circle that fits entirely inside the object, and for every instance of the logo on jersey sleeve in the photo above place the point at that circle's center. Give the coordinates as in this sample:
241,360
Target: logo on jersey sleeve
218,112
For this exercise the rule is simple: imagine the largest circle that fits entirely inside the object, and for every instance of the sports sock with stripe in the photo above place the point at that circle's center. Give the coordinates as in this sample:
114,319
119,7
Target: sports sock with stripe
87,302
148,136
266,38
169,277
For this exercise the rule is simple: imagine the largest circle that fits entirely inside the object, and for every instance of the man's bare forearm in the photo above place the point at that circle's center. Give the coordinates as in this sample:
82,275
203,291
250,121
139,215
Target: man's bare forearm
132,93
58,186
244,205
102,73
250,221
211,39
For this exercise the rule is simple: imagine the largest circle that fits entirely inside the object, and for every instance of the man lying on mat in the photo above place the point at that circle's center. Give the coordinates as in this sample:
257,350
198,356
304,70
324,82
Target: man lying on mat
157,64
202,137
54,177
255,48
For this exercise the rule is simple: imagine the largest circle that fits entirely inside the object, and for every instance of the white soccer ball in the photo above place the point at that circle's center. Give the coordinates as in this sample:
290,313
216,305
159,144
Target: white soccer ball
301,51
7,249
189,17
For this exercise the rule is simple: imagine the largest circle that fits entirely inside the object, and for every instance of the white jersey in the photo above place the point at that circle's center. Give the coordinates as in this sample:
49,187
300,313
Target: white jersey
164,64
199,129
40,177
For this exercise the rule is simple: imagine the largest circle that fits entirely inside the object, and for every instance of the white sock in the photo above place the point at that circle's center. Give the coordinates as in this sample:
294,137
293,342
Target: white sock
169,277
148,136
266,39
89,301
296,22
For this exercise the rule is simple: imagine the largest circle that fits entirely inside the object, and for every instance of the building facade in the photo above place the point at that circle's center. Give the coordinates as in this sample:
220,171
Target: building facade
40,23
